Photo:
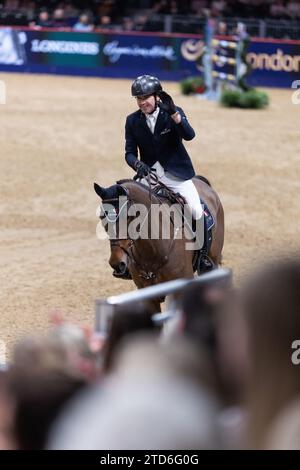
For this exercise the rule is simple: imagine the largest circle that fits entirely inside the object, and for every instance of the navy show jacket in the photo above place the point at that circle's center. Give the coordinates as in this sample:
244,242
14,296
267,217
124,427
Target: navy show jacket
164,146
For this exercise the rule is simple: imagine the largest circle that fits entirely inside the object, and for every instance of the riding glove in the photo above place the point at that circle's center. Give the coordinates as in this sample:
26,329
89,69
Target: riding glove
142,169
166,103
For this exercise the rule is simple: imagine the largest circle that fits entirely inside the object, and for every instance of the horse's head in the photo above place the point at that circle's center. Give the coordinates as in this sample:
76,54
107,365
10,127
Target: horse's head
113,207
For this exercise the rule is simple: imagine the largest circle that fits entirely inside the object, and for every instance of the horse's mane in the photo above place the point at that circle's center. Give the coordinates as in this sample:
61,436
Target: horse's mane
202,178
199,177
130,181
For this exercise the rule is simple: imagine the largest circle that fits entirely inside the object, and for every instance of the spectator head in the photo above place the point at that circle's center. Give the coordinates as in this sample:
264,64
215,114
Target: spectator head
241,28
222,28
84,19
44,16
66,348
141,22
59,14
127,24
105,21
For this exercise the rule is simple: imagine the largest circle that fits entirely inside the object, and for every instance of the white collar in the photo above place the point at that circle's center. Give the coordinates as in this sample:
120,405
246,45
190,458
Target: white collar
153,115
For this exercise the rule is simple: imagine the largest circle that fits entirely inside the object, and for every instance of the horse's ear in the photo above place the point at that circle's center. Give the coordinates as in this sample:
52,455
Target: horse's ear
99,190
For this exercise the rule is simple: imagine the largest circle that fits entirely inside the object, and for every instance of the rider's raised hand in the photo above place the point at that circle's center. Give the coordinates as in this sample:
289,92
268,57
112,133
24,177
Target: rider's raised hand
166,103
142,169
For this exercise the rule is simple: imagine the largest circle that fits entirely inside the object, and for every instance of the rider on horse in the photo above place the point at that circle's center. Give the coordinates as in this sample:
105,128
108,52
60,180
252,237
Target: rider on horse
156,130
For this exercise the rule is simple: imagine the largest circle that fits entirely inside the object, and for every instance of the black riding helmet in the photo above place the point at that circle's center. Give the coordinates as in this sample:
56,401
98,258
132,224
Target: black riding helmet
145,85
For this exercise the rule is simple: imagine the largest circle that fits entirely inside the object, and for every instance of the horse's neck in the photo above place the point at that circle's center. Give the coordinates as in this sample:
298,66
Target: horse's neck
156,245
140,194
156,248
152,251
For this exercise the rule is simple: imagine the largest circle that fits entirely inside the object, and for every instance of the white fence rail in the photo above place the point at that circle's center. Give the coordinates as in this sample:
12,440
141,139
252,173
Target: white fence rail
105,308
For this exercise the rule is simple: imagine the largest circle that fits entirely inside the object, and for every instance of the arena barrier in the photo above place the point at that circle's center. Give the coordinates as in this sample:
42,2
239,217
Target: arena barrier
105,308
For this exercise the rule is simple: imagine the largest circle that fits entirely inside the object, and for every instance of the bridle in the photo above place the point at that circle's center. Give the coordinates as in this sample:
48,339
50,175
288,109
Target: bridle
129,250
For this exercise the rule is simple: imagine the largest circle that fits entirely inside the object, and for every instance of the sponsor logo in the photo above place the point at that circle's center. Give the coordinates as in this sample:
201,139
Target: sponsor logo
192,49
115,52
47,46
278,62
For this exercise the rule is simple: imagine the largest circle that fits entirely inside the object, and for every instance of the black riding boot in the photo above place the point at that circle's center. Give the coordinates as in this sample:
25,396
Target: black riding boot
205,264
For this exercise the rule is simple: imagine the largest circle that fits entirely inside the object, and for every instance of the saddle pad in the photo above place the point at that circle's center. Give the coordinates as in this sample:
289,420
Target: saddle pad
210,222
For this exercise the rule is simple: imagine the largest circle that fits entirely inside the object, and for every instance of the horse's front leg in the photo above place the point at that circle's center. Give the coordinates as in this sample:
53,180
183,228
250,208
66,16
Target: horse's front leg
153,306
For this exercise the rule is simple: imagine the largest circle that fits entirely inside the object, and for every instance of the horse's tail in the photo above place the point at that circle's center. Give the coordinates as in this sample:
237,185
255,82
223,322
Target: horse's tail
202,178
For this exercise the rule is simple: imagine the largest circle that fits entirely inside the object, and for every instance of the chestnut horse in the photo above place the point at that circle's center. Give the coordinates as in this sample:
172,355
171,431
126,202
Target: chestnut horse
151,261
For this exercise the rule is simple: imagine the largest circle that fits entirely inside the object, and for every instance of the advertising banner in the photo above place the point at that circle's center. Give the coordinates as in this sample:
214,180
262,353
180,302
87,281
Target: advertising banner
274,63
171,57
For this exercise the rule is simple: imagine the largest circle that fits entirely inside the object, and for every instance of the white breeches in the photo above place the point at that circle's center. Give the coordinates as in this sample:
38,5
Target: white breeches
186,188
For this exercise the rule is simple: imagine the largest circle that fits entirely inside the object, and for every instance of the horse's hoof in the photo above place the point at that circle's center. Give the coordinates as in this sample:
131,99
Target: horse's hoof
205,265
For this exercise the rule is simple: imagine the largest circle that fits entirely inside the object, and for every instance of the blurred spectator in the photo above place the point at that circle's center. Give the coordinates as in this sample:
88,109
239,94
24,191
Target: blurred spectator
293,9
39,395
127,322
66,347
128,24
7,412
269,303
11,4
245,68
221,29
207,324
174,8
182,14
71,11
278,9
198,7
232,350
141,22
200,308
157,398
84,23
240,33
285,430
45,373
161,7
218,7
43,20
107,8
58,18
105,22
